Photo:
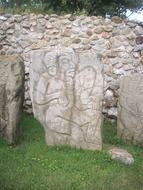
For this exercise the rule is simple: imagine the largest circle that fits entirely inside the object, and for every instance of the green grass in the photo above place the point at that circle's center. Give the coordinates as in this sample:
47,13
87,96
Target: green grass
33,165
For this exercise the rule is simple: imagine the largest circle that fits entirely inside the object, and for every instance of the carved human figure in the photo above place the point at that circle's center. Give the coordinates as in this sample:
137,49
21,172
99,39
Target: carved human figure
84,111
84,87
54,95
68,97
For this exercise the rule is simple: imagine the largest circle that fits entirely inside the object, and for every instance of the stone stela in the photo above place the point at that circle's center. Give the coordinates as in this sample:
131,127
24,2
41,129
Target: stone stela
67,94
11,96
130,109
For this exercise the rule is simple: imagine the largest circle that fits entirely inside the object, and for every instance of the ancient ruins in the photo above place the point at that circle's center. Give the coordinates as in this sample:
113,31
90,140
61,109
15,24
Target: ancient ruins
11,96
67,94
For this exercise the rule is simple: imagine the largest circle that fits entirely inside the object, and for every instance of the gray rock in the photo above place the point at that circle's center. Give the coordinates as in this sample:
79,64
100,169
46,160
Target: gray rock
138,47
11,96
120,71
8,15
139,40
121,155
118,41
116,19
130,109
114,85
109,96
67,92
10,31
100,46
132,24
3,18
26,24
138,30
18,18
112,112
128,67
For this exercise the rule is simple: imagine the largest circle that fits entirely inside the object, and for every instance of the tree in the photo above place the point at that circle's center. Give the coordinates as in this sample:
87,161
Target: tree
91,7
14,3
100,7
112,7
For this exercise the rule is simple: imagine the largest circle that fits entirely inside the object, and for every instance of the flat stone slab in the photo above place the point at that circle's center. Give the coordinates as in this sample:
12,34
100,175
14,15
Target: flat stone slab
67,93
11,96
121,155
130,109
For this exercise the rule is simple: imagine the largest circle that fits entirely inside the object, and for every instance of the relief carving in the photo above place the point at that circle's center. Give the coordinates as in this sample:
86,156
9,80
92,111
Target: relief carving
130,109
67,99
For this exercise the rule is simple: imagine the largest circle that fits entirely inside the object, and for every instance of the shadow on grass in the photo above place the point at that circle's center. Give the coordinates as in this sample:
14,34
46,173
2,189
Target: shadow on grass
31,129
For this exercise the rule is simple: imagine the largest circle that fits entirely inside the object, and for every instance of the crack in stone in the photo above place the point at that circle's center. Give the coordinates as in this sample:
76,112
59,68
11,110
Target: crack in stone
74,85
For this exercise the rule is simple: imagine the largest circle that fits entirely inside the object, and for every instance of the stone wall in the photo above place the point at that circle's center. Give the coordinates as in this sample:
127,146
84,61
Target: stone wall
119,42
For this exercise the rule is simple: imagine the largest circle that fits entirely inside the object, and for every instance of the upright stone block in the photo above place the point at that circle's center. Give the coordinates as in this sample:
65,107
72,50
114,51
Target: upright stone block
11,96
67,93
130,109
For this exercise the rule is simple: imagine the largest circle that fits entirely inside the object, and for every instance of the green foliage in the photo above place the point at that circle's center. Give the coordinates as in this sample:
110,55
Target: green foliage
91,7
31,164
65,5
110,134
112,7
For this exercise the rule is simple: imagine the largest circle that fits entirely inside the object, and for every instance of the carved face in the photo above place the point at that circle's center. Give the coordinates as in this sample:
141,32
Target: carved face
66,65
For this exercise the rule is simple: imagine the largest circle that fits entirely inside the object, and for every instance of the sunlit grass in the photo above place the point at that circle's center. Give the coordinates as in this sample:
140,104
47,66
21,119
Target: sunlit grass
31,164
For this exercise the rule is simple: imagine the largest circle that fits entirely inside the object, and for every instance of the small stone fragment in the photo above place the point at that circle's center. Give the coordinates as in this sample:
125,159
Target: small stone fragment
76,41
98,30
116,19
139,40
108,28
121,155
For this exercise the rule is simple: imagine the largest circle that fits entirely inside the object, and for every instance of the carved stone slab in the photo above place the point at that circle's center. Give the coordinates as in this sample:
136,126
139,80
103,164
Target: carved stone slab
11,96
67,92
130,109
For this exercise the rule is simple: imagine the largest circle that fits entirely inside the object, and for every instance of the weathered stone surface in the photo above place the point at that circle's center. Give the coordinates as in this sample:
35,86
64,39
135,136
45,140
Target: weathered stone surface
116,19
109,98
11,96
138,30
98,30
106,35
139,40
112,112
3,18
119,42
130,109
67,91
138,47
121,155
108,28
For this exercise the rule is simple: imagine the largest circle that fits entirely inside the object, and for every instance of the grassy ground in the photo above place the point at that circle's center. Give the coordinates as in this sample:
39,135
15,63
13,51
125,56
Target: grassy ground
33,165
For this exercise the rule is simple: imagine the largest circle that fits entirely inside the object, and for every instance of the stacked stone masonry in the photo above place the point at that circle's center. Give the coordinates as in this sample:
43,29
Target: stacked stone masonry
119,42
